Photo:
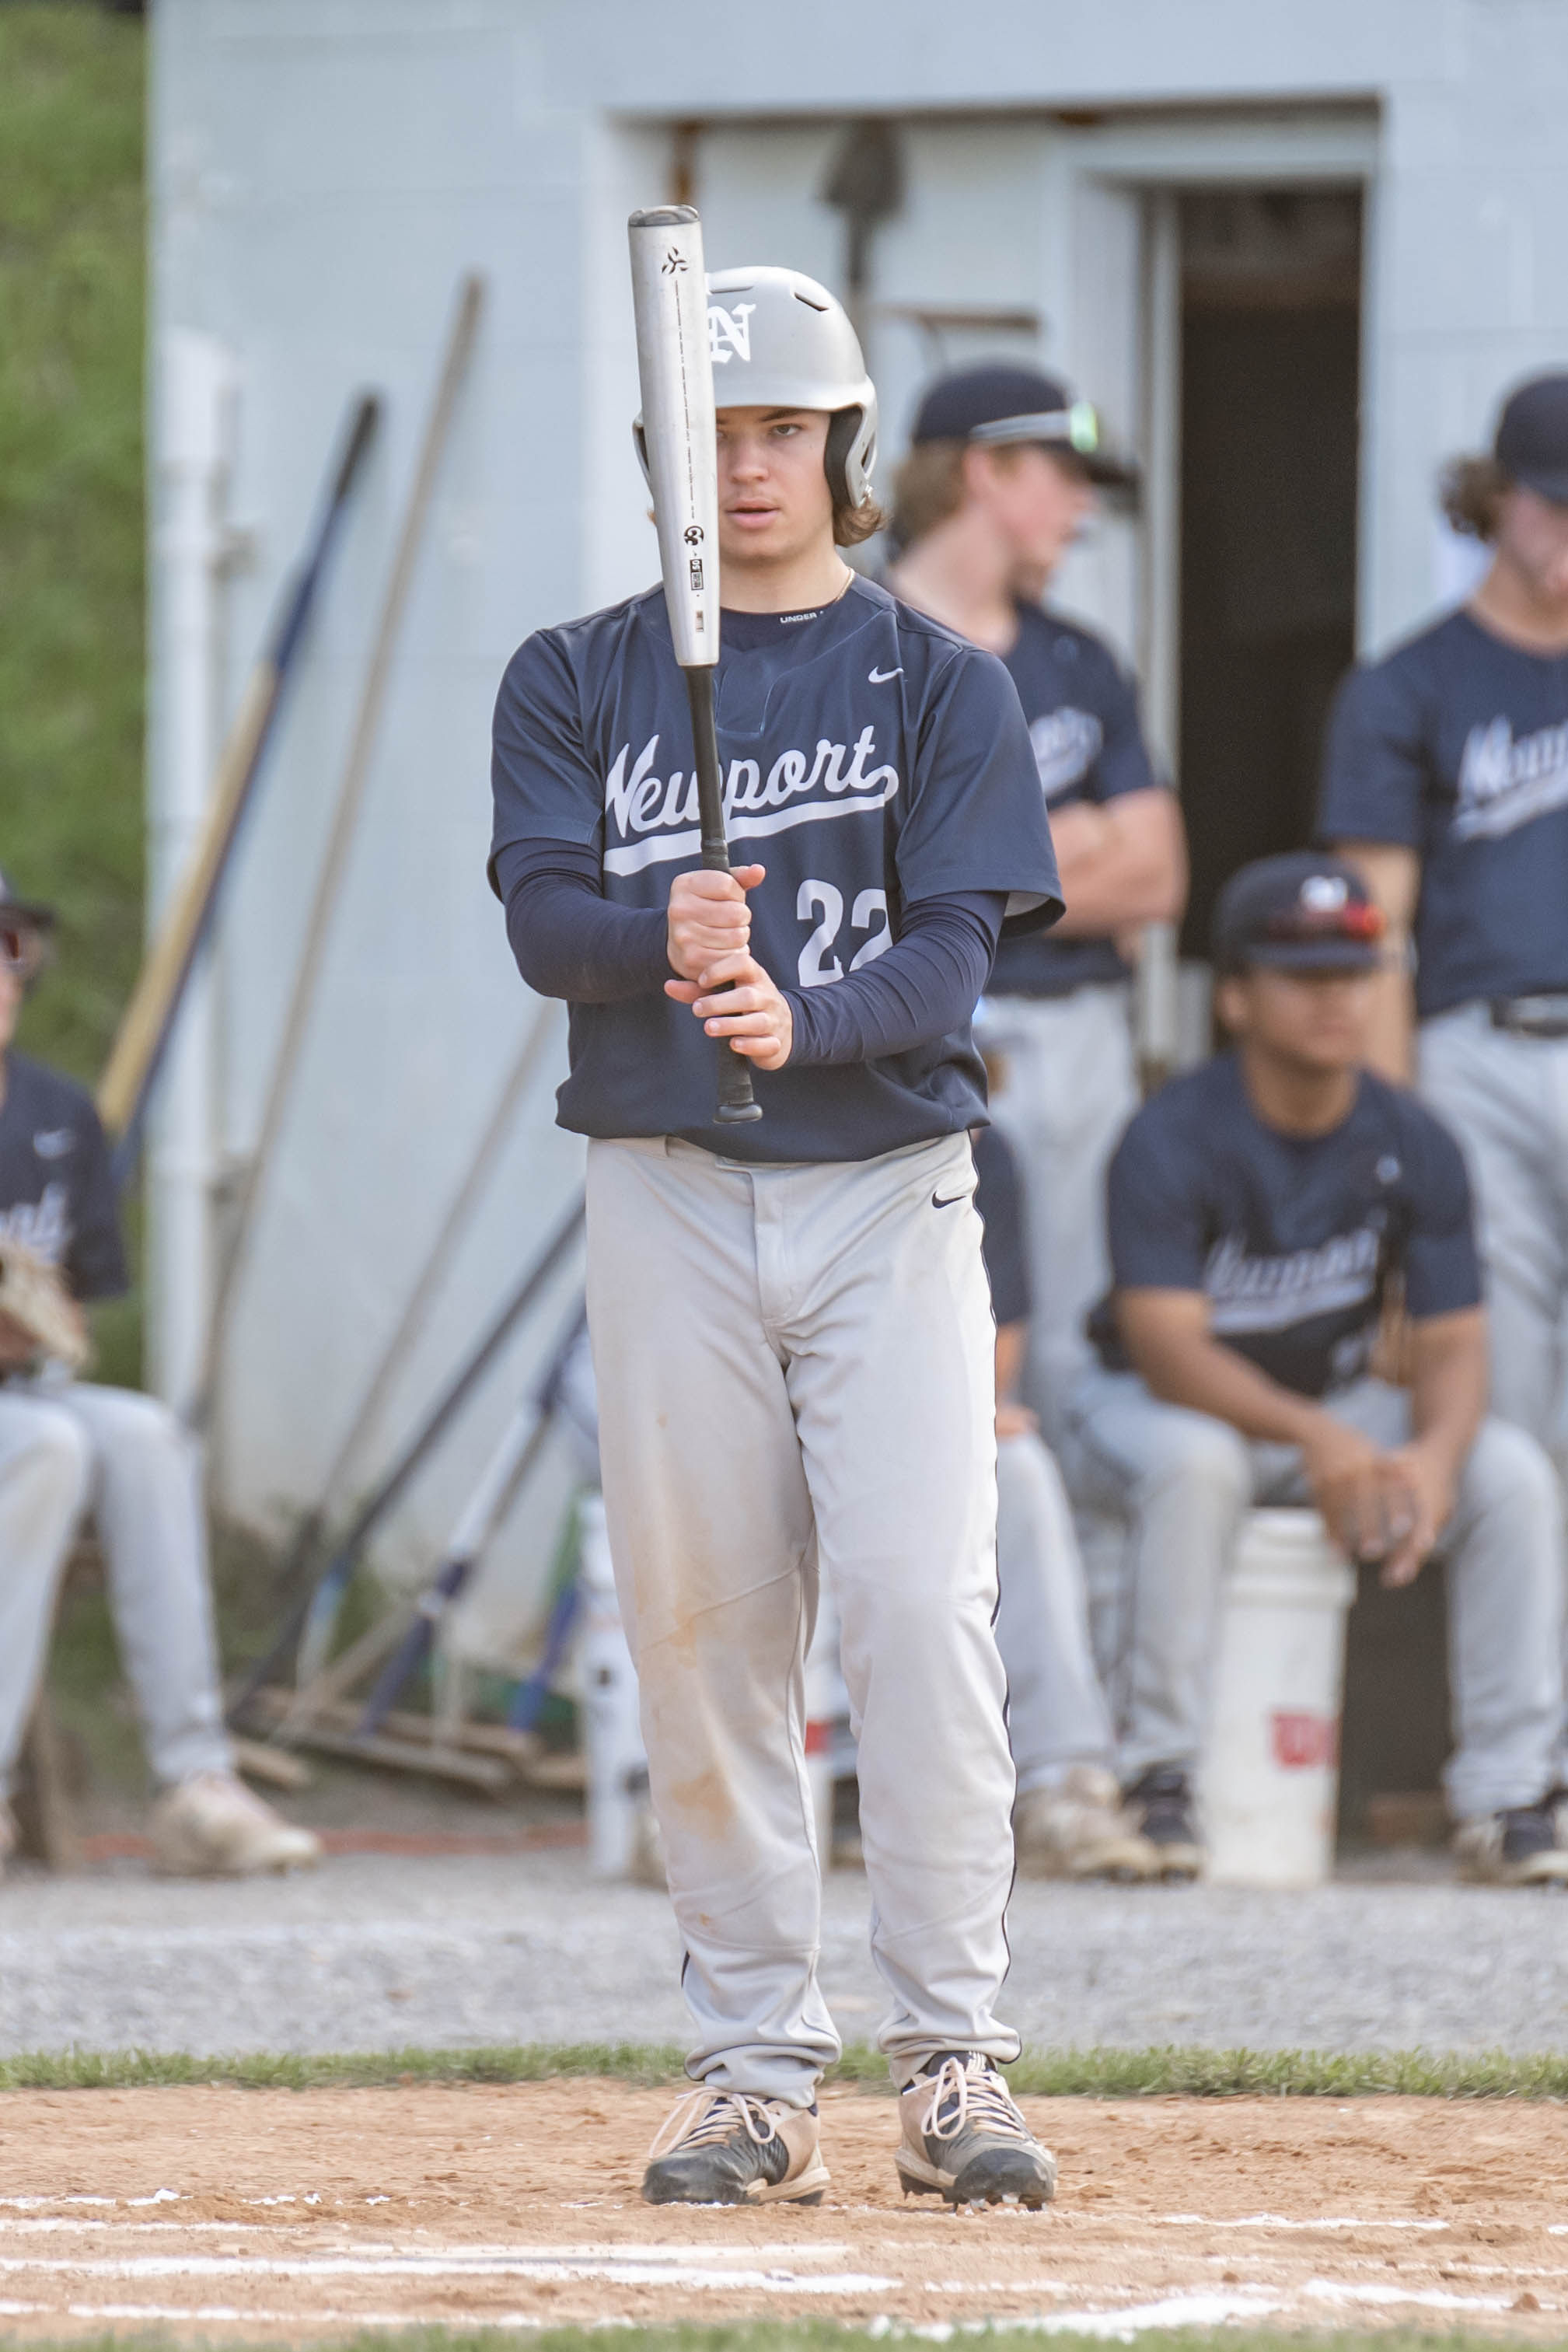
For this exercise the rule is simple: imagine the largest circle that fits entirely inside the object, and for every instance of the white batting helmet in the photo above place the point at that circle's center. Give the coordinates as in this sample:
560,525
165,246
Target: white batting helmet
777,340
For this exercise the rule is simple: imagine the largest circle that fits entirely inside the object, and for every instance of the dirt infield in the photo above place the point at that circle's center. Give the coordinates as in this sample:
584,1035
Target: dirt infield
315,2213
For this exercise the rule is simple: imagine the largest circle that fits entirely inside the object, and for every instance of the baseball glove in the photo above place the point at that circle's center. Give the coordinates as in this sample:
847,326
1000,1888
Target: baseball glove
33,1296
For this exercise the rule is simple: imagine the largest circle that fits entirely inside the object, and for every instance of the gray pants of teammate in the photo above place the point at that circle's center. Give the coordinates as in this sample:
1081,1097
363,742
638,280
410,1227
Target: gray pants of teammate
1506,1100
1187,1480
795,1365
1056,1714
65,1448
1070,1090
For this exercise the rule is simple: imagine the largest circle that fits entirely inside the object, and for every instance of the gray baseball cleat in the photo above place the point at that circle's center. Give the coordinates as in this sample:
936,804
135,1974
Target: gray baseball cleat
964,2138
724,2147
1521,1847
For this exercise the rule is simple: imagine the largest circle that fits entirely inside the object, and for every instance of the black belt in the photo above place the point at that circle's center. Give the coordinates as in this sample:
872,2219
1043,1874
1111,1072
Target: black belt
1531,1016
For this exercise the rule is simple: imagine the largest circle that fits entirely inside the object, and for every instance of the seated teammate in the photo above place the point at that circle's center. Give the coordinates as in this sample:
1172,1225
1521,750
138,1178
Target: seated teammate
1260,1209
1068,1821
67,1446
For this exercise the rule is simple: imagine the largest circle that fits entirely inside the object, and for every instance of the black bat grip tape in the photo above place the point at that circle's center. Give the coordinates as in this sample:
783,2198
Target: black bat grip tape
738,1105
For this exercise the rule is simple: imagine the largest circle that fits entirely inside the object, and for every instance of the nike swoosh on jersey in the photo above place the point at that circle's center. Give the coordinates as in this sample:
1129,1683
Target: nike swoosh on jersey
881,676
939,1203
54,1142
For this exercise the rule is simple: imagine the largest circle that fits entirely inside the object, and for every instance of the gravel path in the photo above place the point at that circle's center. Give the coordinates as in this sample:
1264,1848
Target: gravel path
373,1952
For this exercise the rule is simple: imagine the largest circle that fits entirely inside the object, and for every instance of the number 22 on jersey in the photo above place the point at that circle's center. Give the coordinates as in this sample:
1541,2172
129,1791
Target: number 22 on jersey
817,965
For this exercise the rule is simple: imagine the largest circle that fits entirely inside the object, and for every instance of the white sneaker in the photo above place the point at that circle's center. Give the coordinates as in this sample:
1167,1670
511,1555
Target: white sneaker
212,1826
1521,1847
1079,1828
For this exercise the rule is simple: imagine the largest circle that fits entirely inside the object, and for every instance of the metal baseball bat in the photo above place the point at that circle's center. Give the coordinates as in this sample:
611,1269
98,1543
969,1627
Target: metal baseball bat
327,1592
669,300
520,1445
141,1042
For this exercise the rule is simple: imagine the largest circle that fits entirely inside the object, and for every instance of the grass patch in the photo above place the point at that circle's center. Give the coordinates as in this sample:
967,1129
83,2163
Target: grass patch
1169,2072
72,302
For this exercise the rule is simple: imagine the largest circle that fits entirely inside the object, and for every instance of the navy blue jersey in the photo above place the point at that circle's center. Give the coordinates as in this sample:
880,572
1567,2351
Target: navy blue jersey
57,1196
1456,746
871,759
1083,714
998,1197
1292,1238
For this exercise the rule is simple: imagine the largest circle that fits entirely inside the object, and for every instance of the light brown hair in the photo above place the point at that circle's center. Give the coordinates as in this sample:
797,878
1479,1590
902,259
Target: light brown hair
1470,491
929,486
851,524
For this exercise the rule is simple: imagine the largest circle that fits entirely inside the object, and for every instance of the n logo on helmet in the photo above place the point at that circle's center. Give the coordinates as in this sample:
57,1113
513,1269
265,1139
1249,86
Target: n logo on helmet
731,328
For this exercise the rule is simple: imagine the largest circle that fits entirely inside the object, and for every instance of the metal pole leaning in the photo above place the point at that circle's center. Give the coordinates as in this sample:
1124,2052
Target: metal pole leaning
351,792
149,1022
324,1596
521,1443
410,1322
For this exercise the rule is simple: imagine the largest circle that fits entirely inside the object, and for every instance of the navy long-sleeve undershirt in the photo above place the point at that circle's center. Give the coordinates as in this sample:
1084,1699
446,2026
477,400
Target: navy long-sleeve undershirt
570,942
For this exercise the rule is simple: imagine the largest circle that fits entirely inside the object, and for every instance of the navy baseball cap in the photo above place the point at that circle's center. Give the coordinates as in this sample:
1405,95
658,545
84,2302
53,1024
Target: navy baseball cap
1301,912
1002,406
1531,443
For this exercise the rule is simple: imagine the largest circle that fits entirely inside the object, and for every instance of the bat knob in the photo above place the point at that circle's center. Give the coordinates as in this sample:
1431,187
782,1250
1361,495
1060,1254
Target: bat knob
736,1114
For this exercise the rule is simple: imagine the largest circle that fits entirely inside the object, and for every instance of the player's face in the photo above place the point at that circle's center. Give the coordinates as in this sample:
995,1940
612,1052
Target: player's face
1310,1021
10,1003
1037,505
1532,537
774,504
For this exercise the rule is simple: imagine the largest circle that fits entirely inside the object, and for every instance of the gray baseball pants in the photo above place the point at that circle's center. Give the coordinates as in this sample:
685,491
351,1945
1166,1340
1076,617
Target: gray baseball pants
1056,1714
1070,1090
68,1447
1506,1100
795,1366
1186,1481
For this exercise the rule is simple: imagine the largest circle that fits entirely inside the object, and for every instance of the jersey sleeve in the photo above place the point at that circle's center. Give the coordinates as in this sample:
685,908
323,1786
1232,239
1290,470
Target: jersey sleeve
1155,1209
998,1197
1122,763
1442,1268
1374,760
977,820
95,1263
542,782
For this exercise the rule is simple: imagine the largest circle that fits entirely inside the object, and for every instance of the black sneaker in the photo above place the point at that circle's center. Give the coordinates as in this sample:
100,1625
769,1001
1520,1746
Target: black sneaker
1160,1802
723,2148
1520,1847
964,2138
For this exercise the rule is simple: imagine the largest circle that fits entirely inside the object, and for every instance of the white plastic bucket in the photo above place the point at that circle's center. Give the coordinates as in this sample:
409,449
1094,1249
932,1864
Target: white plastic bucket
1269,1783
613,1735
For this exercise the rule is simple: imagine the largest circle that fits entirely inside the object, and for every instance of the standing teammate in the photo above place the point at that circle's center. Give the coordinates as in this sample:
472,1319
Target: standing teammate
791,1332
1446,781
68,1446
1000,480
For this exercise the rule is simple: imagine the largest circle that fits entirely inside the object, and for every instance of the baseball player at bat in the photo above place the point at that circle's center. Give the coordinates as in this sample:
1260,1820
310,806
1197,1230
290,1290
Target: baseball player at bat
793,1337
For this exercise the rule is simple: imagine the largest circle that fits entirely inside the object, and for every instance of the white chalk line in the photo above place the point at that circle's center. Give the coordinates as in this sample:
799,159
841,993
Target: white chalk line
627,2268
1284,2222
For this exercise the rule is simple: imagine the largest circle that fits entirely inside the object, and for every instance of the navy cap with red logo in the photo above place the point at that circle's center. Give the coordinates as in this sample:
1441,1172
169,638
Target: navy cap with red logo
1301,912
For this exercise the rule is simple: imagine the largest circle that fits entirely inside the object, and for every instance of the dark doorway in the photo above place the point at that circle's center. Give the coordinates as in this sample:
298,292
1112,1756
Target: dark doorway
1269,366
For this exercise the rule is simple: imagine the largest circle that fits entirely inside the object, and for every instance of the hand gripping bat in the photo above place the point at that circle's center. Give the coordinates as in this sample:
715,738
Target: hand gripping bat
669,299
